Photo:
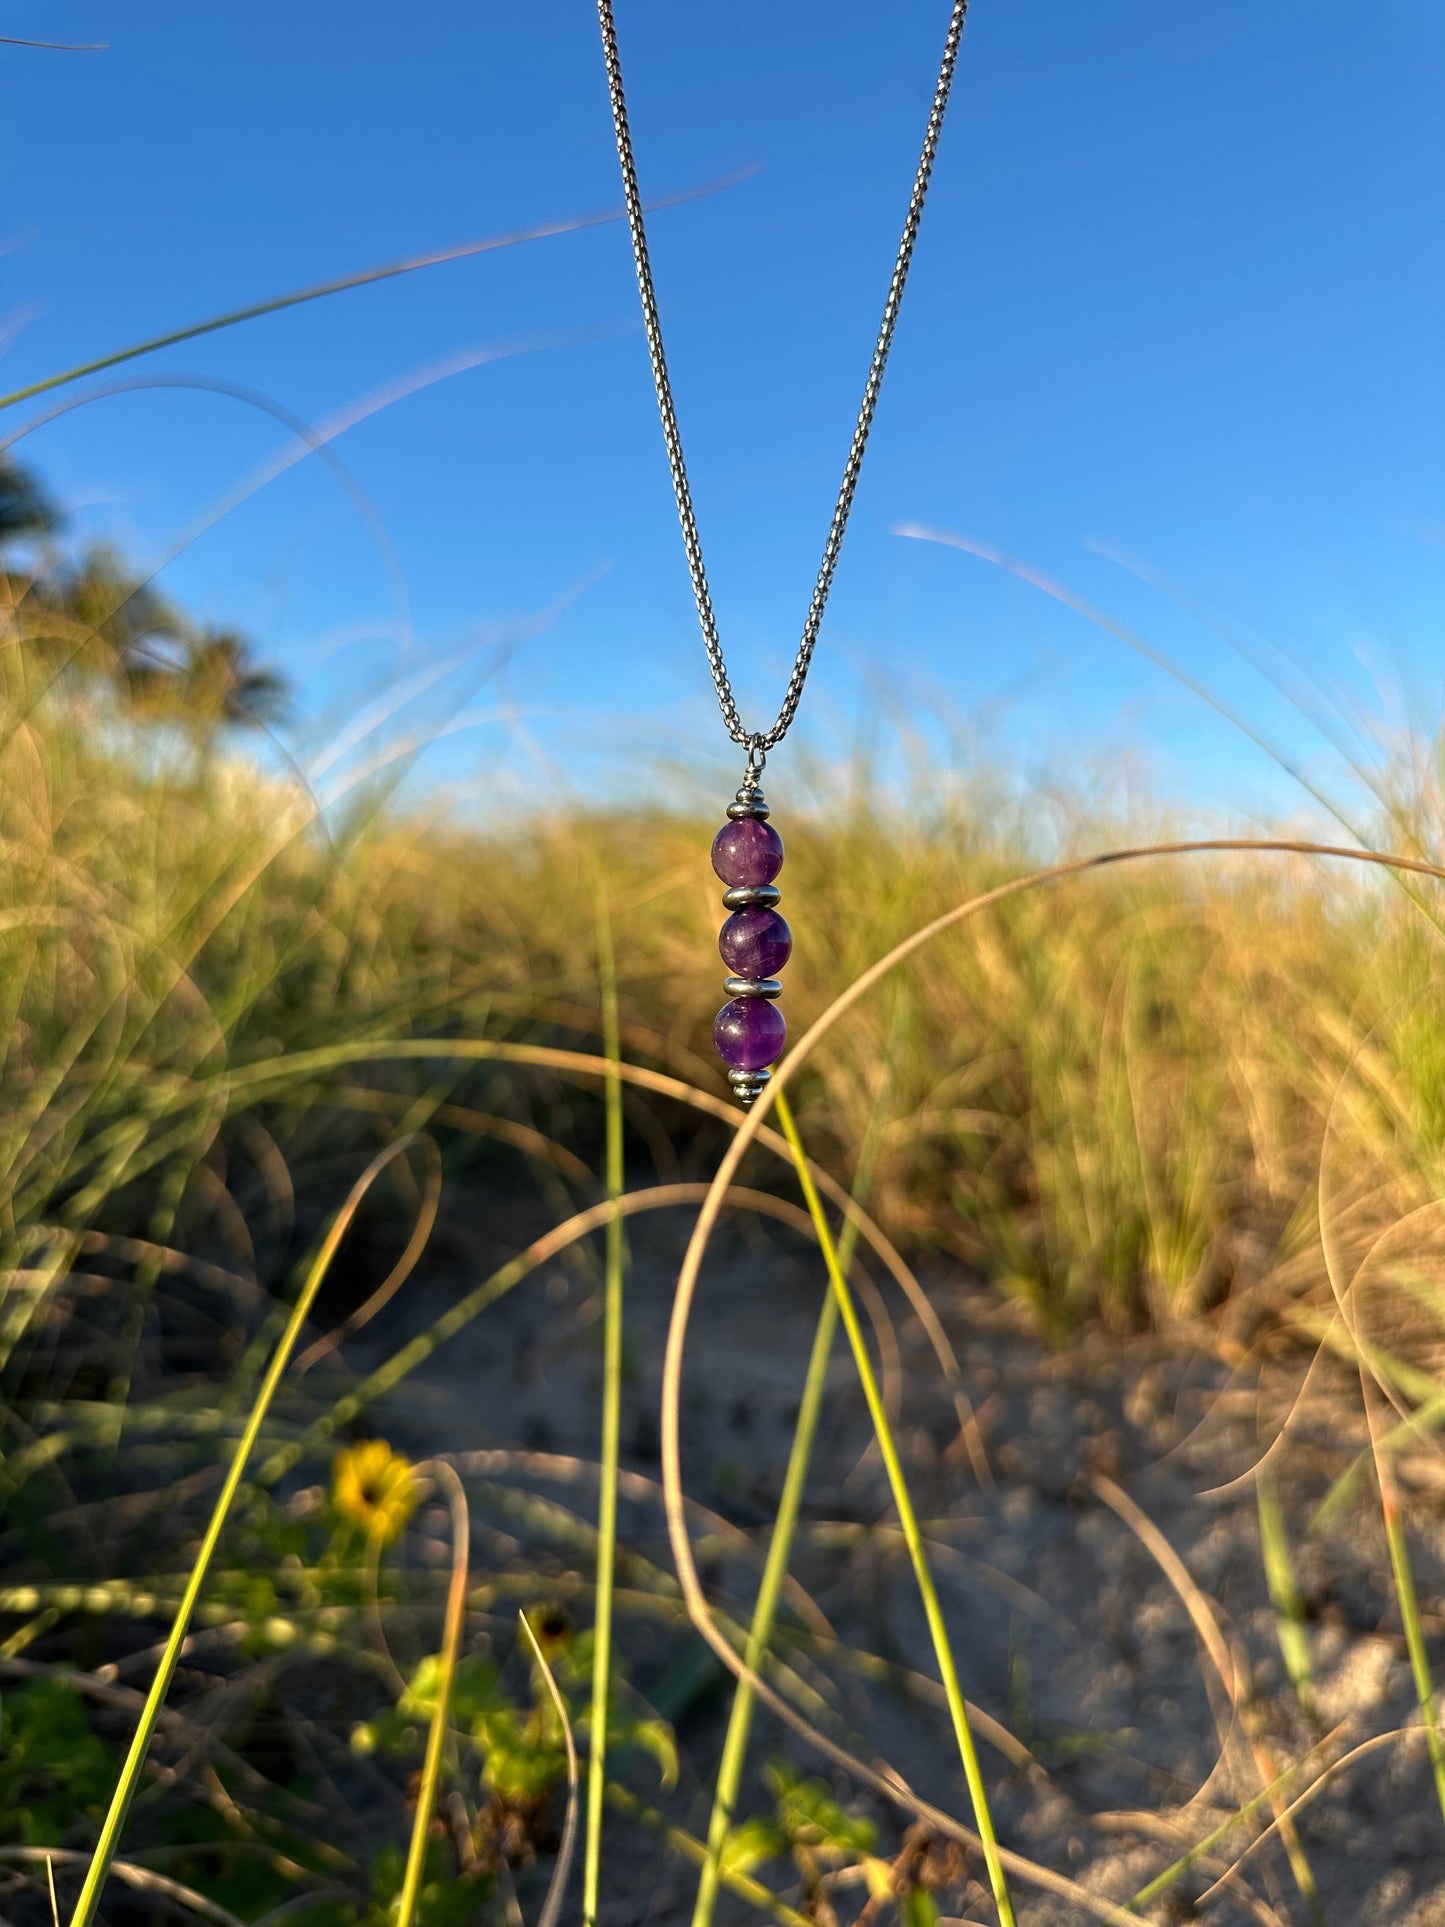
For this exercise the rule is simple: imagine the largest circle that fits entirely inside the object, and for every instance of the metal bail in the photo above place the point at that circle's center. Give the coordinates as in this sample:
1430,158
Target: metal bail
757,757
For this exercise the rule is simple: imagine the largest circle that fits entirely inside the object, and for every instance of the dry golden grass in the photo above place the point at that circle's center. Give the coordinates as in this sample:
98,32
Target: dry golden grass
1124,1097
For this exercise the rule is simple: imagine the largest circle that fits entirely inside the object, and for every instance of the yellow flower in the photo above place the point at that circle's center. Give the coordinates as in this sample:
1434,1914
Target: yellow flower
375,1488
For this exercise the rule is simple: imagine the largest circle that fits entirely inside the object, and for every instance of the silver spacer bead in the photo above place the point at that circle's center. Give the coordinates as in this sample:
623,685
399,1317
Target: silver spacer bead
748,1086
750,802
768,987
746,894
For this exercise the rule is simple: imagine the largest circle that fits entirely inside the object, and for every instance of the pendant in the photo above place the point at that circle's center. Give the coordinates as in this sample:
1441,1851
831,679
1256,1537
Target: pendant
755,942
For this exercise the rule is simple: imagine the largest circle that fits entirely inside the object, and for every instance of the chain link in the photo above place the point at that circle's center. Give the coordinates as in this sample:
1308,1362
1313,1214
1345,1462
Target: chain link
762,741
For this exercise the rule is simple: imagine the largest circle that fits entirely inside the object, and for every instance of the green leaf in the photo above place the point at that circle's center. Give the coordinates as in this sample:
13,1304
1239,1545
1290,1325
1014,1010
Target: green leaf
474,1693
810,1817
749,1845
422,1690
655,1737
53,1768
916,1909
521,1761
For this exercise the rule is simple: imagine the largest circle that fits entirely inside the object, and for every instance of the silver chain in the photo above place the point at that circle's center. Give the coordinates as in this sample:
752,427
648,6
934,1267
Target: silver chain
762,741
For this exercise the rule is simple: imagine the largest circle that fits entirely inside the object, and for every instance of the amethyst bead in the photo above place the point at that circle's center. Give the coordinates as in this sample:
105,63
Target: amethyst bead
755,942
749,1033
747,852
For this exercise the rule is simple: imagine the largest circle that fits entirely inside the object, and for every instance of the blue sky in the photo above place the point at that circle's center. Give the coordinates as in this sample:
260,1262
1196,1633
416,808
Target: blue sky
1172,342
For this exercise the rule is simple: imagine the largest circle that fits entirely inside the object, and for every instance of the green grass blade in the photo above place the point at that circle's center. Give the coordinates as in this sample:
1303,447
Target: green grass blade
780,1546
256,309
611,1429
114,1822
907,1520
1414,1633
735,1744
341,285
1284,1593
426,1798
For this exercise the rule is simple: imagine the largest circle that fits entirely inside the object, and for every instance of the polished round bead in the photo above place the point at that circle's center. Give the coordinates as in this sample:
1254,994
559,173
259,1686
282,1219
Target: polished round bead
749,1033
755,942
747,852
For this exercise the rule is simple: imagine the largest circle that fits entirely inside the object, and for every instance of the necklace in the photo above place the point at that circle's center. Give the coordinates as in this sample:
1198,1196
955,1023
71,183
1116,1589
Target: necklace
747,852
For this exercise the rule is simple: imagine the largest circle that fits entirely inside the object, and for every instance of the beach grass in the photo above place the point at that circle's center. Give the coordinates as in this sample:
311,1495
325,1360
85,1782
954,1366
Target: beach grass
1193,1094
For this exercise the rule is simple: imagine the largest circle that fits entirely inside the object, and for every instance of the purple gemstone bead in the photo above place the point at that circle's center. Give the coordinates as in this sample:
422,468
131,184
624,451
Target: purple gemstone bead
755,942
747,852
749,1033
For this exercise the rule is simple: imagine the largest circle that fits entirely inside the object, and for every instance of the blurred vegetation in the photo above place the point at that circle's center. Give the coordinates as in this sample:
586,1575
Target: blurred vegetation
1176,1091
89,622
